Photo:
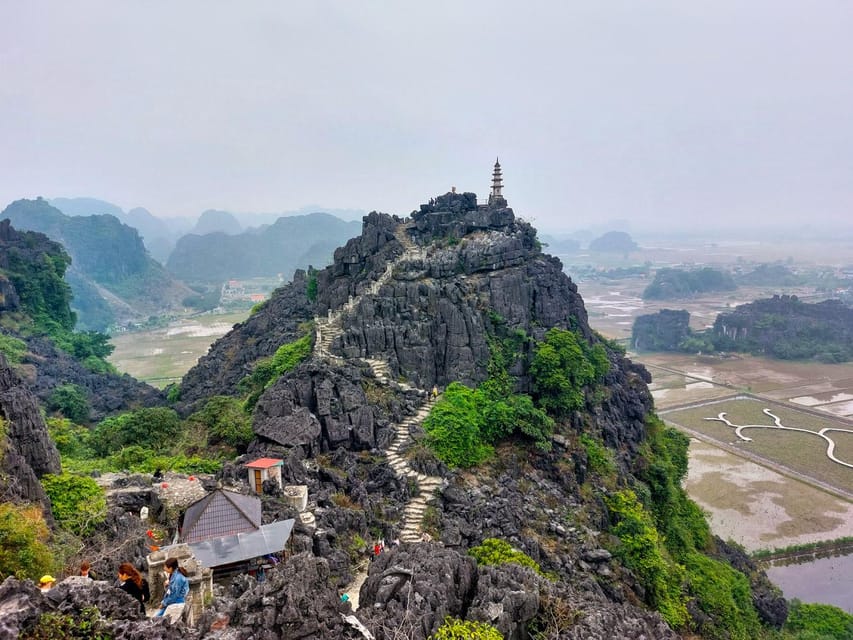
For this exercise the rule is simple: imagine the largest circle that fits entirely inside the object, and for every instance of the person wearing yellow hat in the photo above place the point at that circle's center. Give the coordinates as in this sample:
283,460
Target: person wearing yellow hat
46,582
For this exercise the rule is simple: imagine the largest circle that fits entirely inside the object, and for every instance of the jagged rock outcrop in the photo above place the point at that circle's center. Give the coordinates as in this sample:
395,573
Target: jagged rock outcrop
320,408
297,600
231,357
788,328
411,589
44,367
661,331
22,604
28,452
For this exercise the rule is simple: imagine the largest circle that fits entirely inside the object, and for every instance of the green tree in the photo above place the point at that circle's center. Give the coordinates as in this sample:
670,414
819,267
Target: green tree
77,502
453,428
311,290
70,400
70,439
156,428
23,542
564,363
819,621
224,420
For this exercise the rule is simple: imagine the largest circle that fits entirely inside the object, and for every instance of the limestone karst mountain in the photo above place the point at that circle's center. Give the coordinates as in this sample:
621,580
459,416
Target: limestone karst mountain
580,530
35,312
419,302
114,278
272,250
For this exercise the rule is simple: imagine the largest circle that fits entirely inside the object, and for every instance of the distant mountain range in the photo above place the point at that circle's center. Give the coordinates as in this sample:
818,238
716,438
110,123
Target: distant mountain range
112,277
161,234
280,248
117,273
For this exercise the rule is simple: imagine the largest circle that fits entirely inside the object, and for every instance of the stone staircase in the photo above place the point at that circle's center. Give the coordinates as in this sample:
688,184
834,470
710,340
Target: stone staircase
413,515
330,328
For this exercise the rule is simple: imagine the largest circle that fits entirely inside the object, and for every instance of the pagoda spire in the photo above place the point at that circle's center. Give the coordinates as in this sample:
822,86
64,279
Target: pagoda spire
496,197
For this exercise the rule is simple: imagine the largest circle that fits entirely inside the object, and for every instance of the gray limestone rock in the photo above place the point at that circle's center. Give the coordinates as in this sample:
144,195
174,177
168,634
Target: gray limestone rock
412,588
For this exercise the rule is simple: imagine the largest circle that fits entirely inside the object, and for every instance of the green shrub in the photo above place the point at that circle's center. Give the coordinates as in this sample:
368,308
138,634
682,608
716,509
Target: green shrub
57,626
156,428
456,629
70,439
77,502
819,622
563,364
71,401
453,428
662,467
599,457
173,394
140,460
641,550
494,551
23,542
12,348
725,596
267,370
225,421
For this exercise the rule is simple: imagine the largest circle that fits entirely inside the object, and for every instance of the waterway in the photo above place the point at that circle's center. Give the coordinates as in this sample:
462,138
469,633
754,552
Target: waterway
826,580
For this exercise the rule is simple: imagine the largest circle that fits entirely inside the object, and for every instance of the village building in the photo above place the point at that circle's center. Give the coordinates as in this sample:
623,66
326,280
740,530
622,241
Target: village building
222,534
264,469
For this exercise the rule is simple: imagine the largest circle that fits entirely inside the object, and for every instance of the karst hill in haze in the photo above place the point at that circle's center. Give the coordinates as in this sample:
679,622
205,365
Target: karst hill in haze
279,248
113,277
538,494
556,423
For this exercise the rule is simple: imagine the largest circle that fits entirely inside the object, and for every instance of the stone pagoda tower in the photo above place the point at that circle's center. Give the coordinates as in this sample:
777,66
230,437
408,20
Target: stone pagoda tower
496,199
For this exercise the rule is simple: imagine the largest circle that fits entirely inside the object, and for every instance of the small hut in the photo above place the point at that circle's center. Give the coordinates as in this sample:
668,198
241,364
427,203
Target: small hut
264,469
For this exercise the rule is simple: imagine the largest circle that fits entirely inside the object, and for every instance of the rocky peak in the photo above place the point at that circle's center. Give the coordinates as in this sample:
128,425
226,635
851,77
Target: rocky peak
455,215
28,452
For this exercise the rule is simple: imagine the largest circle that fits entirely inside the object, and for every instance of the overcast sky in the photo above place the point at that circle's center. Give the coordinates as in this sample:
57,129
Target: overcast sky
658,113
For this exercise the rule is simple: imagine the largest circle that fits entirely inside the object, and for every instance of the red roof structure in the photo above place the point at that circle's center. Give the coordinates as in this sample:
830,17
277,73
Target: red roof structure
264,463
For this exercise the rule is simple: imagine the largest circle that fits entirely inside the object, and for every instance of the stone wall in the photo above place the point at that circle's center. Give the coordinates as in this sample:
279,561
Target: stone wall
200,579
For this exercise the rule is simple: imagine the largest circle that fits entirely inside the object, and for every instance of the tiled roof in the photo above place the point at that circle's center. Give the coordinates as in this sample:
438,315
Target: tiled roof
220,513
264,463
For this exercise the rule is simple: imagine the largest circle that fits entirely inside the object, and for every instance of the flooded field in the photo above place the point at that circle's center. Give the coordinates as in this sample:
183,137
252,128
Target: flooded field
822,387
162,356
825,580
758,507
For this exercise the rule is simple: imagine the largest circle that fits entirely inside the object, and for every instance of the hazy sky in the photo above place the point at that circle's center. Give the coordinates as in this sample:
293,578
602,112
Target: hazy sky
681,112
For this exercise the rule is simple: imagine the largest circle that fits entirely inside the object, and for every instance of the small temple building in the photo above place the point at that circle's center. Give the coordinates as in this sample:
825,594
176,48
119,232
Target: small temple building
264,469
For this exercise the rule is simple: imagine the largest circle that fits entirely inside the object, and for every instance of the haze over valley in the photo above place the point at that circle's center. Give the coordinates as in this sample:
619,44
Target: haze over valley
564,352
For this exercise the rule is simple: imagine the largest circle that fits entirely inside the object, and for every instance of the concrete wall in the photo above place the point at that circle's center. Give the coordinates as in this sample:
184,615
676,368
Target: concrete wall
200,579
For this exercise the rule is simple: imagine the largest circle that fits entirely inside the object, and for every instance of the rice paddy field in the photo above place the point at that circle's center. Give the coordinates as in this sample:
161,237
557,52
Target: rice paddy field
803,451
162,356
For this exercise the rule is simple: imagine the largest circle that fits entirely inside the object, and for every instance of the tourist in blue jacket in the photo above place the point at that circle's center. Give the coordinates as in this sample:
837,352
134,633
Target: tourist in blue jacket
176,589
